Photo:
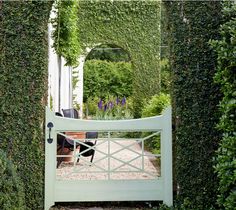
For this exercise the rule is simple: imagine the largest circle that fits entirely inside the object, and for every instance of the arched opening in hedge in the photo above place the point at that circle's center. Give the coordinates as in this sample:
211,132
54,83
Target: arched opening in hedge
106,74
135,27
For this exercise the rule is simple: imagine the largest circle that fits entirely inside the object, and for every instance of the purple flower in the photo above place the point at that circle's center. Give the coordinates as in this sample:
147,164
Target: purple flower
123,101
100,104
117,101
110,105
105,107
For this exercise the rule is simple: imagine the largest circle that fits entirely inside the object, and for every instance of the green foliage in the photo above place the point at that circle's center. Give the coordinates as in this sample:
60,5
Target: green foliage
23,70
226,77
113,109
90,106
103,79
133,26
11,187
155,107
66,39
165,76
195,95
110,53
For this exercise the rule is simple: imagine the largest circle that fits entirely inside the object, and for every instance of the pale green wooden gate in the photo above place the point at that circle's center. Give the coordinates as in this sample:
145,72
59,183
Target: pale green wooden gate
109,188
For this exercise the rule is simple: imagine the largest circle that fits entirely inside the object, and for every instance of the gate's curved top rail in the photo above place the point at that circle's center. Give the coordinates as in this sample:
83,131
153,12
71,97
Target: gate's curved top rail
143,124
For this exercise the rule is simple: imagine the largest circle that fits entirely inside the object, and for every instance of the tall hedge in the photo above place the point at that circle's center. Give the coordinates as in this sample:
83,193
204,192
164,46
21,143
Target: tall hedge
23,85
11,189
226,77
135,27
195,98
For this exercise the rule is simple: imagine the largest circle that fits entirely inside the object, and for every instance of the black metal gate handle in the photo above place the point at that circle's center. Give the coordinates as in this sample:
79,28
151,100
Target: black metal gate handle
50,126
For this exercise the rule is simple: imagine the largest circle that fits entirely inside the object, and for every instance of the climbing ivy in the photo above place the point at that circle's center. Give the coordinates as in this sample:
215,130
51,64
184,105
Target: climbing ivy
195,97
65,35
226,77
23,88
133,26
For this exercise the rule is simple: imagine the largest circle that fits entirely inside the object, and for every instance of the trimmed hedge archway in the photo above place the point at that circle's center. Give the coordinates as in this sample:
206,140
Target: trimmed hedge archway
135,27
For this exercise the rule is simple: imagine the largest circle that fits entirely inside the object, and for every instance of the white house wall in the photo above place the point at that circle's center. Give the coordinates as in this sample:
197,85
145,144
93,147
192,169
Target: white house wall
66,101
53,77
61,96
79,88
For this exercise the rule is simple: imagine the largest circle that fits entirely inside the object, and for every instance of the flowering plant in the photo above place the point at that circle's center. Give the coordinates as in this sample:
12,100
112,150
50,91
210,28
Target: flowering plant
112,109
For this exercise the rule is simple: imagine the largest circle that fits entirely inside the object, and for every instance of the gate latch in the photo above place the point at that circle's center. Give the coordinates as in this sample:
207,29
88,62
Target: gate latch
50,126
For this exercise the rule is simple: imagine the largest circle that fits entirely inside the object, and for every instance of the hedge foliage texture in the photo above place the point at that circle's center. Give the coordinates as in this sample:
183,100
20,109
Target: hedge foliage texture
226,77
133,26
23,85
11,187
195,95
106,79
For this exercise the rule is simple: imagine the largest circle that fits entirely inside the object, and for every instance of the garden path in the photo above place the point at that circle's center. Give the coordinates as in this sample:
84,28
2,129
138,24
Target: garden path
132,153
66,168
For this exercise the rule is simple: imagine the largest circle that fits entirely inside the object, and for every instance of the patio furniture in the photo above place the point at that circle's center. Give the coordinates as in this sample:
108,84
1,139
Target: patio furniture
91,152
71,113
65,142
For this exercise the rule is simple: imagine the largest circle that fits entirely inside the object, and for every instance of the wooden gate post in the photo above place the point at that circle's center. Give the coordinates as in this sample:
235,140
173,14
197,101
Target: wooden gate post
50,160
166,161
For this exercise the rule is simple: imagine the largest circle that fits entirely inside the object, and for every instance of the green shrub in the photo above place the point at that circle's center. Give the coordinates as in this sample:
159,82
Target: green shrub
11,187
90,106
103,79
155,107
226,77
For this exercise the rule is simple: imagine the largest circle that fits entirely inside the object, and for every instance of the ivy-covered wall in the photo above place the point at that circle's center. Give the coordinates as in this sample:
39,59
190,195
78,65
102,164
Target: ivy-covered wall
23,85
133,26
195,97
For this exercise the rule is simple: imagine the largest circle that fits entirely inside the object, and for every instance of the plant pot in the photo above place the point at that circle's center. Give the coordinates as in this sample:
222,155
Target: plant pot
76,135
65,151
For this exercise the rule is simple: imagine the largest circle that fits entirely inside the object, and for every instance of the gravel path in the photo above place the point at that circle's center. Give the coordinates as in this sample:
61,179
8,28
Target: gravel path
143,206
109,206
134,169
136,166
